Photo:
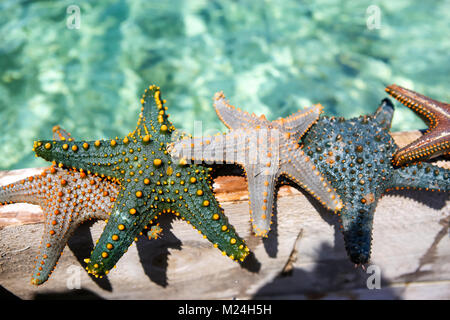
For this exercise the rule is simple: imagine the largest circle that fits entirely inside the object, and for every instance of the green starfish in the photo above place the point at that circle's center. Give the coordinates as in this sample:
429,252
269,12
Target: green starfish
151,183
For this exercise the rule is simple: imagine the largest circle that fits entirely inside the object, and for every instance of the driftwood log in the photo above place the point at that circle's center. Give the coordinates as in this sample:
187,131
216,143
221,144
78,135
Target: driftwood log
304,256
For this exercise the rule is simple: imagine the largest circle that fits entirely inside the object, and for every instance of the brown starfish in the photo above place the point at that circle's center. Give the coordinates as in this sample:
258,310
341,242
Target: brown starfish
436,140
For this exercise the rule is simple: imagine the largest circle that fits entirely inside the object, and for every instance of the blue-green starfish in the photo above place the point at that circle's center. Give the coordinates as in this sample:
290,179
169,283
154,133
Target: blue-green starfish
355,155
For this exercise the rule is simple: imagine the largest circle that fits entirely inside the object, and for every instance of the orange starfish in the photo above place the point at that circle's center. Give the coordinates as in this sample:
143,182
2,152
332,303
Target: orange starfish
436,140
68,198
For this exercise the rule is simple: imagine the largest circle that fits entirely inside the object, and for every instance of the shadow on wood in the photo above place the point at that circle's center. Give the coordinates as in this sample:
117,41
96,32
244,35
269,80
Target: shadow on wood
326,280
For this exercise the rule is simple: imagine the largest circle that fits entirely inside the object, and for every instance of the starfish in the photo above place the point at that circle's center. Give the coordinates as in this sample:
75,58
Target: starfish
436,140
154,232
68,198
355,155
151,183
266,151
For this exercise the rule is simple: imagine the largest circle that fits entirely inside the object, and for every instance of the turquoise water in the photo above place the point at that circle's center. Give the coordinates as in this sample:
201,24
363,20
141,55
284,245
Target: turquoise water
270,57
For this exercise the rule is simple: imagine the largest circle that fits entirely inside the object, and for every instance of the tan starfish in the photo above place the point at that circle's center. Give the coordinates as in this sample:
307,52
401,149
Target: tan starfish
266,150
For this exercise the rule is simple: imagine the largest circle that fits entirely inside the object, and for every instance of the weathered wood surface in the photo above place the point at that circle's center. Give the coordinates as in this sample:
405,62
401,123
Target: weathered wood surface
304,256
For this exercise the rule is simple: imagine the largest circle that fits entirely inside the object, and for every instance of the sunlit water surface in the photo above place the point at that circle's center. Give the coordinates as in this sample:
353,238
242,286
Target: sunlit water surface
271,57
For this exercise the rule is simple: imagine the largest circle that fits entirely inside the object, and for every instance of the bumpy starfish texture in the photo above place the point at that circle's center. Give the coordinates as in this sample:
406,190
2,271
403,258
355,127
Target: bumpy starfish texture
266,151
436,140
151,183
154,232
355,155
67,198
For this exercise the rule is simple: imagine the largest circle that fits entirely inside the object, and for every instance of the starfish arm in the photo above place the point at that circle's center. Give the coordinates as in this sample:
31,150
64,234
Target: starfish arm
298,123
431,144
70,200
24,191
384,114
235,118
98,157
427,109
30,190
356,221
54,240
60,134
299,168
153,122
204,213
421,176
51,247
128,218
436,140
261,187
